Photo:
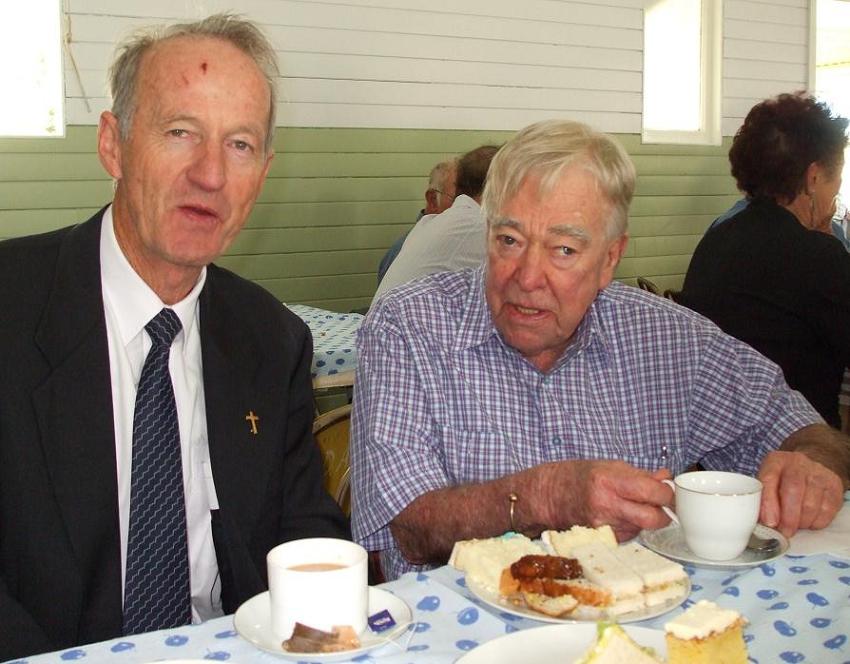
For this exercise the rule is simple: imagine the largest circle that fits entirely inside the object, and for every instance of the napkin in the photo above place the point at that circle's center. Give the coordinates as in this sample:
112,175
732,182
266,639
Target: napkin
834,539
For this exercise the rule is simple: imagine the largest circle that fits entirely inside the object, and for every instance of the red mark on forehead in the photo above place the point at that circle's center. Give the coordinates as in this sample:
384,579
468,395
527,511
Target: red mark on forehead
185,80
204,67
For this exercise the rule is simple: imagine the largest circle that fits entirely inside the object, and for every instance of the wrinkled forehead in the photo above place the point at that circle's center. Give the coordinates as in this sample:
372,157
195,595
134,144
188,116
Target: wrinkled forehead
187,60
566,193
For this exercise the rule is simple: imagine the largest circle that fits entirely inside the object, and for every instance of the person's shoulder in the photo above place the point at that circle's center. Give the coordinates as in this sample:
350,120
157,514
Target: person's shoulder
27,263
426,301
29,245
630,307
262,308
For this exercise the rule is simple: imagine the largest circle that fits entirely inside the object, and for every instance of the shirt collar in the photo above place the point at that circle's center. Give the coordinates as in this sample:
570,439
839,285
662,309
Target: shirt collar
477,328
130,298
476,325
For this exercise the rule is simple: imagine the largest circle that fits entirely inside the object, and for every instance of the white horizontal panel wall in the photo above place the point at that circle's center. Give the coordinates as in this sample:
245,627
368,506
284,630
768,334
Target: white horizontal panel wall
765,52
485,64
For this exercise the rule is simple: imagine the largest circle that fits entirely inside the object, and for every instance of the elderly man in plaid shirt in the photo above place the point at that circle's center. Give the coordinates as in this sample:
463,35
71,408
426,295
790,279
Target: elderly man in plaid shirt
535,392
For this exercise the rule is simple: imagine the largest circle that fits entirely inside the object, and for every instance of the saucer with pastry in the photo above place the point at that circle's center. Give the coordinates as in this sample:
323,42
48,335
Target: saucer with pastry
319,605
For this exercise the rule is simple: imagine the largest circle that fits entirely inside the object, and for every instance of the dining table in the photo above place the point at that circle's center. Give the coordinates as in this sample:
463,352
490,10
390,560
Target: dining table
334,335
797,609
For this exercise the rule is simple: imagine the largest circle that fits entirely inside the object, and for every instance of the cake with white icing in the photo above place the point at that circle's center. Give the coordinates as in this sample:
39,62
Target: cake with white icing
706,634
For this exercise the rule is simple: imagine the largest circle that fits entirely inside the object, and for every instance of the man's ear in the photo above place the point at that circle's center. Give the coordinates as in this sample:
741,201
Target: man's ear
430,201
269,159
616,249
109,144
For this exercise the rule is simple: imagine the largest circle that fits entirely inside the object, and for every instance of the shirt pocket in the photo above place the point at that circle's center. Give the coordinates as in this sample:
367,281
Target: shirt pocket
477,456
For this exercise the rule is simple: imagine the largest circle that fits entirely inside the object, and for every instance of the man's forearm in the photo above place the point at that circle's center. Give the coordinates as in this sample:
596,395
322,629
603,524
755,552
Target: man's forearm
428,528
825,445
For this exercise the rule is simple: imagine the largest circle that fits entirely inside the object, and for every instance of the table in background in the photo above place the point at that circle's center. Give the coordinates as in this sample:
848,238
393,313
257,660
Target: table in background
334,336
797,607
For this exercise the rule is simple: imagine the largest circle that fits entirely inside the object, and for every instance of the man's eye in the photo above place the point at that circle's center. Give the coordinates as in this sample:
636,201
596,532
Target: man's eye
243,146
566,251
178,133
507,240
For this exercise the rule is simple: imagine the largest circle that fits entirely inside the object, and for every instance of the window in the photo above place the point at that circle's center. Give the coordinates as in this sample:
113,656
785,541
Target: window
681,71
832,76
31,70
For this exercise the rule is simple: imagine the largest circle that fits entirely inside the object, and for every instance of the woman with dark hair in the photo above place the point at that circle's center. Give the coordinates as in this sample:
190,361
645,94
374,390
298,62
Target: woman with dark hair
773,275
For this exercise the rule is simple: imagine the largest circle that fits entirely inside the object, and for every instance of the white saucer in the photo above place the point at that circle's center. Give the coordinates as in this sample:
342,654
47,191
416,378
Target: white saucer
252,621
670,542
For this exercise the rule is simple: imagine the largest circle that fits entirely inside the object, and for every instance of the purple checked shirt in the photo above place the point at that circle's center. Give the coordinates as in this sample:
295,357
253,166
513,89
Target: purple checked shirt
441,400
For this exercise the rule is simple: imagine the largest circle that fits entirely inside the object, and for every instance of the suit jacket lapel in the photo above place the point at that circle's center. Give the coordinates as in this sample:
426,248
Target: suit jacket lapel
230,360
74,412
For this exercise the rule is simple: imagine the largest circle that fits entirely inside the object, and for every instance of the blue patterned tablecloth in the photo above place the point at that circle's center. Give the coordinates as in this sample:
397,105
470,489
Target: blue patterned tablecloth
446,626
334,335
797,607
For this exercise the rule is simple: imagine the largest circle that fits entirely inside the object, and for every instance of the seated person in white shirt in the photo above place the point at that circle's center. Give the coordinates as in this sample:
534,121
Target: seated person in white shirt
453,239
439,196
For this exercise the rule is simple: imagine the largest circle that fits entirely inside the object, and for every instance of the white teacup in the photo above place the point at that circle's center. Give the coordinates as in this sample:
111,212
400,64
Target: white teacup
320,582
716,510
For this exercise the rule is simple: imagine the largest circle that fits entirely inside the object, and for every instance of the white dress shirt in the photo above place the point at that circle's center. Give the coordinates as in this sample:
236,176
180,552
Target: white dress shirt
130,304
451,240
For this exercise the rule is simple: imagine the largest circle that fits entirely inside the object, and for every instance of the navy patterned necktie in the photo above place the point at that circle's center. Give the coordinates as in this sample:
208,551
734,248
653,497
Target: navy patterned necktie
156,585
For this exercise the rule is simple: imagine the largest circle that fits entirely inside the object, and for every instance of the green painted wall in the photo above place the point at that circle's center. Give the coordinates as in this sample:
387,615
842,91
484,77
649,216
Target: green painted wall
337,198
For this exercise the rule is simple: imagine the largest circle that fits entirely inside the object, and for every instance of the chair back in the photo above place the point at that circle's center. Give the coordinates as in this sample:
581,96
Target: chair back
671,294
331,431
647,285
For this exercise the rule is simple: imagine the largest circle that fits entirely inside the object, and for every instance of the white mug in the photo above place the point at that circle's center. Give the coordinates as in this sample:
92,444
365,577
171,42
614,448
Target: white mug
716,510
320,582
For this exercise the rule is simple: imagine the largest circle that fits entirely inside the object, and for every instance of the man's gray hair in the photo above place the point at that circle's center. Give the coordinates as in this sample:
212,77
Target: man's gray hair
545,150
243,34
438,175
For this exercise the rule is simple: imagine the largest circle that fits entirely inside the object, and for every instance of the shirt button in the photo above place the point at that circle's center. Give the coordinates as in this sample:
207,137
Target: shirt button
557,440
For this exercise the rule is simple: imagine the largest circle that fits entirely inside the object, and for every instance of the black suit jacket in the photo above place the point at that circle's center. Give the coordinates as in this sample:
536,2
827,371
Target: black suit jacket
60,567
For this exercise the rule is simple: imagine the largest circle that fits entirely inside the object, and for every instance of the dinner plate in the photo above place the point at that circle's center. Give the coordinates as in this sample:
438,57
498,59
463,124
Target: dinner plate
498,602
553,643
670,542
253,623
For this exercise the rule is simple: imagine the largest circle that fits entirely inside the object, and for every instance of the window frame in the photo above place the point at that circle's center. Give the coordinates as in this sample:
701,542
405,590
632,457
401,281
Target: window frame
711,69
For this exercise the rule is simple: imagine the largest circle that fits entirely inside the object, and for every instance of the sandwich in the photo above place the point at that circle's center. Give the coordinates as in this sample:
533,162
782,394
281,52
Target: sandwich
483,560
637,577
589,577
614,646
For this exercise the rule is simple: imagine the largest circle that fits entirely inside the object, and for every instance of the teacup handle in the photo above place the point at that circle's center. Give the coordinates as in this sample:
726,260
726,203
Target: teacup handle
666,509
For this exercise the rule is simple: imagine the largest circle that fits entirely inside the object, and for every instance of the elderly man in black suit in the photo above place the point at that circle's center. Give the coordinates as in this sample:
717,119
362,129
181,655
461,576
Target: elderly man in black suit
155,410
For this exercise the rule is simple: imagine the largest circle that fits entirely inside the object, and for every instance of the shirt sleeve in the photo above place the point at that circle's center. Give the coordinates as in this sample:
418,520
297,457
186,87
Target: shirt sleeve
741,407
395,456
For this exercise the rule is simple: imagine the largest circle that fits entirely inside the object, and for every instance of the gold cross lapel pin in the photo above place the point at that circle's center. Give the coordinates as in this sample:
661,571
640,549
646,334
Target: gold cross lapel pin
253,419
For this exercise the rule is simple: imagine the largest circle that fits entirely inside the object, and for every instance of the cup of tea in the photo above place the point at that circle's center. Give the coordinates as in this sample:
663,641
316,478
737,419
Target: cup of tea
320,582
716,510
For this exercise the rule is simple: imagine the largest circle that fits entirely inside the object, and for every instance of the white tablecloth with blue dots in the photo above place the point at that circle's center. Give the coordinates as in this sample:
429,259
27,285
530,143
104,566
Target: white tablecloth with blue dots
798,609
334,335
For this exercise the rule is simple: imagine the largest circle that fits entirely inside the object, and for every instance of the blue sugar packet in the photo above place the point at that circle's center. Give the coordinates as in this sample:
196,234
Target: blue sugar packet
381,621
